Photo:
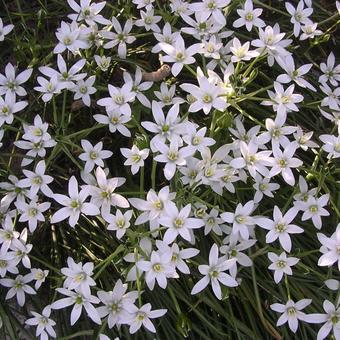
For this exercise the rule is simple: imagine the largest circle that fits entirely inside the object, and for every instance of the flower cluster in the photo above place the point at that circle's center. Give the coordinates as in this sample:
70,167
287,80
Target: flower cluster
217,170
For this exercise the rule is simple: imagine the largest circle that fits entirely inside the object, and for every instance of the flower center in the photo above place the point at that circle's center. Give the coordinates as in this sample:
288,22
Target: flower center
136,158
196,140
291,311
313,208
233,253
178,222
93,155
280,227
281,264
214,273
3,263
120,223
165,128
173,155
32,212
158,205
114,120
74,204
67,41
282,163
119,99
240,219
276,133
80,277
44,320
207,98
157,267
83,89
79,300
179,56
263,186
249,16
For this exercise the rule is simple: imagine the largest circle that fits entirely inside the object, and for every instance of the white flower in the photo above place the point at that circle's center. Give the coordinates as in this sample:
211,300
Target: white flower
332,99
314,208
241,219
7,234
120,38
43,323
234,250
172,156
88,12
158,268
93,155
74,204
8,107
294,74
299,15
291,313
178,256
119,222
116,121
32,212
304,193
241,52
167,95
83,89
65,77
8,263
215,273
37,180
249,16
276,131
39,276
330,248
331,145
4,30
11,83
135,157
103,194
331,319
282,100
271,41
207,95
69,38
115,304
253,160
18,287
263,187
178,222
303,139
78,276
178,54
281,265
79,300
283,162
212,8
165,128
212,222
331,72
141,316
48,87
154,206
119,99
310,31
167,37
149,20
103,62
138,86
280,227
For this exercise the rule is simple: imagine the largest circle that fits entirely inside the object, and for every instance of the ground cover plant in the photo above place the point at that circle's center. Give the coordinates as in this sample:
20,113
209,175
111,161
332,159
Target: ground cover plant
169,169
